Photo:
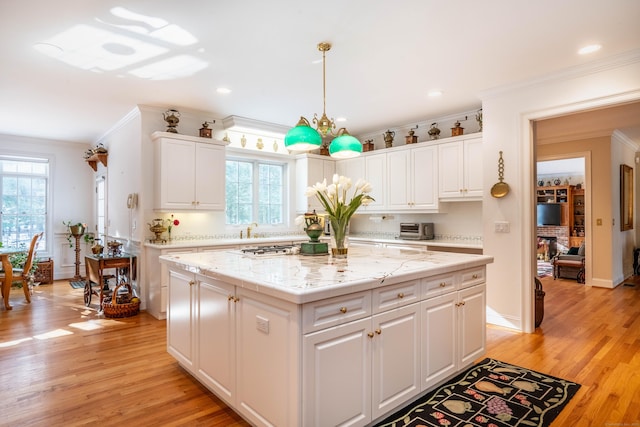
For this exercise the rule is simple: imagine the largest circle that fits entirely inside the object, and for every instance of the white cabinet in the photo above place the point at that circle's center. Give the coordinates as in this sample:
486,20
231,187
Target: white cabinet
311,169
412,177
216,337
374,360
460,165
375,168
157,280
242,345
181,318
189,172
453,330
352,168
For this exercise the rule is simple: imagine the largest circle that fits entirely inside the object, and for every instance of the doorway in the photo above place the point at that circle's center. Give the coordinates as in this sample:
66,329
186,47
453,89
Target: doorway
561,208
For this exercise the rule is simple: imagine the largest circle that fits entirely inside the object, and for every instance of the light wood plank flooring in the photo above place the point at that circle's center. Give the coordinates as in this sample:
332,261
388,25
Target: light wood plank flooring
62,365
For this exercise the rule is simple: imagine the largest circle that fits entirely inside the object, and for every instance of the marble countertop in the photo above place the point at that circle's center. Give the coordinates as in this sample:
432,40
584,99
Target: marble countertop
176,244
300,279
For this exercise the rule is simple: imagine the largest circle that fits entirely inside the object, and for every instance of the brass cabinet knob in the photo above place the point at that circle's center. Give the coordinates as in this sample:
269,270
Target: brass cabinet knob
343,310
378,331
443,284
191,283
370,334
401,295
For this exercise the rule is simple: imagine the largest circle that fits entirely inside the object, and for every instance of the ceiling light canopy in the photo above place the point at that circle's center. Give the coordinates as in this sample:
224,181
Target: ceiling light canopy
305,138
589,49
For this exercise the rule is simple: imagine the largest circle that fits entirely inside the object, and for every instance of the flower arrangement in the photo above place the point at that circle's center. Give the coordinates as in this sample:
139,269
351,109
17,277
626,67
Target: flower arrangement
333,198
172,222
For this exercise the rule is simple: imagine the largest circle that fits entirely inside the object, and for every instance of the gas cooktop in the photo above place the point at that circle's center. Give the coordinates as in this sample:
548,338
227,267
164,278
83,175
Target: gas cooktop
269,250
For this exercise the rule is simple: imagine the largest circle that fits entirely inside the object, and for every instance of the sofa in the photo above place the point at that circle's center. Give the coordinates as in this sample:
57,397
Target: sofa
570,265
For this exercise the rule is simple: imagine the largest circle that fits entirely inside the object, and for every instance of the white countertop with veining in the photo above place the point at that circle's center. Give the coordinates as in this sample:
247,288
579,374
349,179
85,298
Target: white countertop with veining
195,243
301,279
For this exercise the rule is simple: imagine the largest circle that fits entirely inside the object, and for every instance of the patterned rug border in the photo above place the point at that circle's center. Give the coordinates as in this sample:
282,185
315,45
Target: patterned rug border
410,415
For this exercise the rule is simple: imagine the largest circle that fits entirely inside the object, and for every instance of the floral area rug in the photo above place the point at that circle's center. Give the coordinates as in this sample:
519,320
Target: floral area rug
489,394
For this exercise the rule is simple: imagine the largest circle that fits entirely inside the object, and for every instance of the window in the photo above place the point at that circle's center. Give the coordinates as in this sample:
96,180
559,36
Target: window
23,196
254,192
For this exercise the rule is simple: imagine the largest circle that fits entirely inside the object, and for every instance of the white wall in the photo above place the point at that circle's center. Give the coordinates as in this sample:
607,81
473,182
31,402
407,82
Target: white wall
507,115
71,184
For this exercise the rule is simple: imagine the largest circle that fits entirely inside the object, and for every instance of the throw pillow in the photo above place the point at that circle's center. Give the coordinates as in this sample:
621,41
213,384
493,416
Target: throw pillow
573,251
581,249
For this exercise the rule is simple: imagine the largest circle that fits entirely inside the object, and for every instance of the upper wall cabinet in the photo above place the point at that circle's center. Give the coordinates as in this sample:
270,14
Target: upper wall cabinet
311,169
189,172
413,179
461,169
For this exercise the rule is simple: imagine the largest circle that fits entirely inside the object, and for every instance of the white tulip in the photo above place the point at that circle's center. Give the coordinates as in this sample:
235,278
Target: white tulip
310,192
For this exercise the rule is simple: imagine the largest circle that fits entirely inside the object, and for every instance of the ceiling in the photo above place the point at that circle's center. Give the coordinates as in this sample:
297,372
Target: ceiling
386,57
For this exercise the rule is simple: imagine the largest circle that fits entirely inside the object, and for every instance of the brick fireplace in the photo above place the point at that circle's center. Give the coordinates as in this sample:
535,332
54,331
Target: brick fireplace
560,233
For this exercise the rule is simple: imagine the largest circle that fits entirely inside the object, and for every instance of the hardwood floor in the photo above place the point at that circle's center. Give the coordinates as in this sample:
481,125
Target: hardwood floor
62,365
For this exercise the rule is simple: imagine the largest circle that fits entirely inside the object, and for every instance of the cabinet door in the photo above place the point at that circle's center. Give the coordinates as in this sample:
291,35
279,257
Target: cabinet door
216,328
399,180
376,171
473,168
352,168
181,319
424,179
439,338
451,176
309,171
395,358
209,177
177,174
268,356
472,324
337,375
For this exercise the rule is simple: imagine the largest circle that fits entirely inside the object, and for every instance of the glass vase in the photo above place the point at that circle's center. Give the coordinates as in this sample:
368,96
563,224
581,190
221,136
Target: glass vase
339,238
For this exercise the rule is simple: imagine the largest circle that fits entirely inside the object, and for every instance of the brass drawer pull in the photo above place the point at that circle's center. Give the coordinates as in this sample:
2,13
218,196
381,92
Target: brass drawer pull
443,284
370,334
343,310
378,331
401,295
475,276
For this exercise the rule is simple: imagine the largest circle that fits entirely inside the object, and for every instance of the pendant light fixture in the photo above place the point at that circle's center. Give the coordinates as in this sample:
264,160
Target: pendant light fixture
305,138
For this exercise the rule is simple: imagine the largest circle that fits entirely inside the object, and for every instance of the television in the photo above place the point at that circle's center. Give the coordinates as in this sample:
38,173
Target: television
549,213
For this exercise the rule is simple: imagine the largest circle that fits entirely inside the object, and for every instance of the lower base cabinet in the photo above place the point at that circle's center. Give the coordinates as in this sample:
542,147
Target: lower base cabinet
241,345
344,361
374,363
453,330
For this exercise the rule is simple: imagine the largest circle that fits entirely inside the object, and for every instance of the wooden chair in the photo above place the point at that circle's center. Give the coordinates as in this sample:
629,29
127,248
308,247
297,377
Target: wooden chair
22,273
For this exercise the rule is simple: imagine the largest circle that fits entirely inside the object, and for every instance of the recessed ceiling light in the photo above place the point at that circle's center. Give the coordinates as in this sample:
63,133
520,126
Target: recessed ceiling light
223,90
49,49
434,93
589,49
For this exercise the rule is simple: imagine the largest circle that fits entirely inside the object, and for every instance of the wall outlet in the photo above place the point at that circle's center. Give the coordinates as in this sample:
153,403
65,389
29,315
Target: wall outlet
501,226
262,324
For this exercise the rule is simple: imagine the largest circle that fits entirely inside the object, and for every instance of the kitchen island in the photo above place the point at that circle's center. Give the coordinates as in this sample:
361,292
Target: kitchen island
293,340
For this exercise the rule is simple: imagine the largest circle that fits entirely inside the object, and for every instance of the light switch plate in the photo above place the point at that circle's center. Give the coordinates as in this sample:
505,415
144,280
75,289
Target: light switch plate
501,226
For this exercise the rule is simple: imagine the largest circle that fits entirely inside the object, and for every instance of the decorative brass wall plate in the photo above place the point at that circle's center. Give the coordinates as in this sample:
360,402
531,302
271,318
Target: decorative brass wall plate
500,188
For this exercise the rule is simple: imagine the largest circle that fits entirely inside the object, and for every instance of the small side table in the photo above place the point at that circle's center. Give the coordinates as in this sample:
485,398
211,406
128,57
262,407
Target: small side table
95,265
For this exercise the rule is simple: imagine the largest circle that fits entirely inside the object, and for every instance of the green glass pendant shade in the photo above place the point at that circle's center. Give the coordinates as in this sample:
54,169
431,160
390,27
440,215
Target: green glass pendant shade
345,146
302,137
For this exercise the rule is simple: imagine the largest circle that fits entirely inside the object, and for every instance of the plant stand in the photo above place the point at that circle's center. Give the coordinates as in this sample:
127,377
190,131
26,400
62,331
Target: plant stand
77,249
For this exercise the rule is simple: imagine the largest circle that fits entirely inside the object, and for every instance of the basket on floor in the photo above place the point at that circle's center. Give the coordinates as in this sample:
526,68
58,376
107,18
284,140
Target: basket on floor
121,305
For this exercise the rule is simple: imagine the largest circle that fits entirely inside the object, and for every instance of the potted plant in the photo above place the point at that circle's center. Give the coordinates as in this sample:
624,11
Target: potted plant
75,229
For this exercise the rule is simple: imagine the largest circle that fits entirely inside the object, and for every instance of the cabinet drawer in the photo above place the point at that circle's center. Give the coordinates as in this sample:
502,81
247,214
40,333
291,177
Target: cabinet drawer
472,276
394,296
438,285
334,311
